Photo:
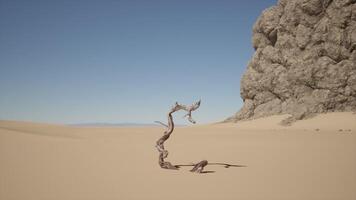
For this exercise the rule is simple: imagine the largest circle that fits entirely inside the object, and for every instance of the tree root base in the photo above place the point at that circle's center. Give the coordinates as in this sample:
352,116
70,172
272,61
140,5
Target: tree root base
168,165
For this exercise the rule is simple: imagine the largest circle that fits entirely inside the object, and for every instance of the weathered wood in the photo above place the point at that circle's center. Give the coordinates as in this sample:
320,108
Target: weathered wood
163,153
199,167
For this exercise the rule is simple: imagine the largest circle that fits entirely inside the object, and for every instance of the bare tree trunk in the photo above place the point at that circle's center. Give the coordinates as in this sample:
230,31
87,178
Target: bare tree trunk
170,127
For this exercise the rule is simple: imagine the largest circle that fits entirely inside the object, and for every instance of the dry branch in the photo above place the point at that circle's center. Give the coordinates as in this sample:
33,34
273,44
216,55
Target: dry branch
199,167
163,153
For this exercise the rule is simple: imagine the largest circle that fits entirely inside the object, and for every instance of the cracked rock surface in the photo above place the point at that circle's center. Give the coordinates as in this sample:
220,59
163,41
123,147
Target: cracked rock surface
304,60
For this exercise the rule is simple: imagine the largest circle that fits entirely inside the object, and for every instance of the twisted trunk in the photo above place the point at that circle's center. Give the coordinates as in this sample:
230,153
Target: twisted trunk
163,153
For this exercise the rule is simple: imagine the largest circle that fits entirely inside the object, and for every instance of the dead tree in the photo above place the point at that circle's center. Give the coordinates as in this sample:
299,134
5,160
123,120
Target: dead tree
163,153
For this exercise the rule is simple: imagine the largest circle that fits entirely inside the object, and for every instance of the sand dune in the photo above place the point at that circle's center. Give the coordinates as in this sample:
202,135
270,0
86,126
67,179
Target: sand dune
312,159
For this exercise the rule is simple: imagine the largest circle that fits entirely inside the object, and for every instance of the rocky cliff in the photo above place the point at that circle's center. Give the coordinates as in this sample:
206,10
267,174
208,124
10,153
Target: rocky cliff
304,60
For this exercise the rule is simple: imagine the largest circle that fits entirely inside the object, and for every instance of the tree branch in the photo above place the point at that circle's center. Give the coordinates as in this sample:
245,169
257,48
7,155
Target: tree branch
163,124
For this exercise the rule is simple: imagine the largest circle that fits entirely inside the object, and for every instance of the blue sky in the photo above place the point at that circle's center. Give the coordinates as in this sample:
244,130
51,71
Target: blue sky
75,61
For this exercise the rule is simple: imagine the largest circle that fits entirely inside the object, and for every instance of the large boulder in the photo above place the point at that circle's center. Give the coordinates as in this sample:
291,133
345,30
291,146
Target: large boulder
304,60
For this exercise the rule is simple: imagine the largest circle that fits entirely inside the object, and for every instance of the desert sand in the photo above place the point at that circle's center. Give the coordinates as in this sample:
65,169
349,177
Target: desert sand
311,159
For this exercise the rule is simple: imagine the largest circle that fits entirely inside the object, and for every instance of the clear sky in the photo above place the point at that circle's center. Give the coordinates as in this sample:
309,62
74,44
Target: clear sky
73,61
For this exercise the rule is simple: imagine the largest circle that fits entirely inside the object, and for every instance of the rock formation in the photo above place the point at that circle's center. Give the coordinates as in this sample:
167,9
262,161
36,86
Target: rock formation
304,60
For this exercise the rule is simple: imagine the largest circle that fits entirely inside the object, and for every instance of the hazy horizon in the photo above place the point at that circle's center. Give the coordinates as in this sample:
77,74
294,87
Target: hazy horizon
123,61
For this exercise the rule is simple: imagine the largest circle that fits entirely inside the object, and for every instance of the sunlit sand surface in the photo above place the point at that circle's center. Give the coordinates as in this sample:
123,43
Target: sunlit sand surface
311,159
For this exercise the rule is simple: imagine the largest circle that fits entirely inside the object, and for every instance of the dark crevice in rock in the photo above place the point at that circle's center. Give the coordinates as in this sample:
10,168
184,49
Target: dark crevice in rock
273,37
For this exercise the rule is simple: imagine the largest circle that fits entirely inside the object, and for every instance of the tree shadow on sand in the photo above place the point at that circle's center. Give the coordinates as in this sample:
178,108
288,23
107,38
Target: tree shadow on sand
225,165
